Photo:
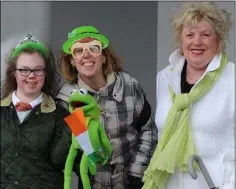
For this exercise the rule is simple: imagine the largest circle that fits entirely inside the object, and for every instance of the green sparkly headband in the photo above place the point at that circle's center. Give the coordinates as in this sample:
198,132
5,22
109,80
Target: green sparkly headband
29,42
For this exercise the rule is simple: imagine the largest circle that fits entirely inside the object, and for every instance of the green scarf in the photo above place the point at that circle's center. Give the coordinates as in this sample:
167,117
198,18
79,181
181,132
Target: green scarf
176,142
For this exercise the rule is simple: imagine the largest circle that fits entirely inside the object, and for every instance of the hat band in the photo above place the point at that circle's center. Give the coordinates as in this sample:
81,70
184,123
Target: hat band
89,32
73,34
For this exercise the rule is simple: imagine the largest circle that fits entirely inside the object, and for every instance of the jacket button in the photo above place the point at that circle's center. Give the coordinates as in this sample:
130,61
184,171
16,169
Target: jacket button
118,186
17,144
16,183
97,186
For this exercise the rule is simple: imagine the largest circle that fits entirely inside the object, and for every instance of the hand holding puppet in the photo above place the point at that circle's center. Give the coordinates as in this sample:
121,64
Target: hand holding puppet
88,135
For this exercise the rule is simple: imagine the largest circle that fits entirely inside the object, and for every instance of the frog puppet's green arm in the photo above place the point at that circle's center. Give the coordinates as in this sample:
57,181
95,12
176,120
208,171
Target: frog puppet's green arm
88,134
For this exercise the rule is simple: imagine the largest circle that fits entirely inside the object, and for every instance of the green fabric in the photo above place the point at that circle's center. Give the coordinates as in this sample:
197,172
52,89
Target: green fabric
30,45
176,142
97,136
83,32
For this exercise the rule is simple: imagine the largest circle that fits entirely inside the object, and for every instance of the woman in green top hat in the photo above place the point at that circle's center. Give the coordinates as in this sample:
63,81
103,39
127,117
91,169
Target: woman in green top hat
88,62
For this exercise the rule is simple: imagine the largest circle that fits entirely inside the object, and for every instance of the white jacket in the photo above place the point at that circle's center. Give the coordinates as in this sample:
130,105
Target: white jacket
212,122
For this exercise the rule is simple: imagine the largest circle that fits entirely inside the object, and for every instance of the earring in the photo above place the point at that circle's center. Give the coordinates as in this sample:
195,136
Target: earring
218,49
72,63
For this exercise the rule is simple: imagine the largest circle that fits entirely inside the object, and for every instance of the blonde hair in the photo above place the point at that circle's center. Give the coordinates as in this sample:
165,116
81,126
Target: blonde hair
194,12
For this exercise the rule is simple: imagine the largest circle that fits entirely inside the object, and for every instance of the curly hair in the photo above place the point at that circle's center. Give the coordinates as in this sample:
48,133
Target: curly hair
70,73
9,84
194,12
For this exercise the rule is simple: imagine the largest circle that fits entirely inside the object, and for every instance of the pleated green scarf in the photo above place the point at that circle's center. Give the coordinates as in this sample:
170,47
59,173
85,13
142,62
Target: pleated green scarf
176,142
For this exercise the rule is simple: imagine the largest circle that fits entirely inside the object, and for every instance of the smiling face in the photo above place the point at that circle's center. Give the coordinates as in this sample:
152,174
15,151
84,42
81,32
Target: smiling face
80,99
32,84
199,44
87,58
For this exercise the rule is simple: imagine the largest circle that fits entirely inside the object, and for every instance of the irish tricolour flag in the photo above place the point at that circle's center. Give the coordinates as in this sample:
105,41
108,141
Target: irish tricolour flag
77,123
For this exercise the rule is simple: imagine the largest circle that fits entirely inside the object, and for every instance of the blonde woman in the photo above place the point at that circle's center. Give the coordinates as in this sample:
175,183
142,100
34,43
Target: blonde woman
195,103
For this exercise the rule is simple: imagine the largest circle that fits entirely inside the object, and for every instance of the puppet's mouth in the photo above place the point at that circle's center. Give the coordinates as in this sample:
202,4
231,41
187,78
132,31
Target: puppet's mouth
77,105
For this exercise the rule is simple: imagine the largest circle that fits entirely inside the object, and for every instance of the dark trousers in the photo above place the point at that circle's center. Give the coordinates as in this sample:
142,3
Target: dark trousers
80,184
76,168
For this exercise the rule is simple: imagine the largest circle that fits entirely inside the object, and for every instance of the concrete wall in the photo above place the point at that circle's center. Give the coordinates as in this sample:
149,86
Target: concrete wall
20,18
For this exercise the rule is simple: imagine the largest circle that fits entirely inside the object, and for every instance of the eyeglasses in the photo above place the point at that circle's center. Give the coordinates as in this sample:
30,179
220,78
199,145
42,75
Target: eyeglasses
26,71
94,47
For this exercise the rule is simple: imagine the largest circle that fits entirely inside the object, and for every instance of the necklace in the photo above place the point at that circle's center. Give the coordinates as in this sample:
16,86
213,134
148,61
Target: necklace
191,80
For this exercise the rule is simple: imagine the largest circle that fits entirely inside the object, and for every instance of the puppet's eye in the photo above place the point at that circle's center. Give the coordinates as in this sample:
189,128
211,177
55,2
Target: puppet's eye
73,91
83,91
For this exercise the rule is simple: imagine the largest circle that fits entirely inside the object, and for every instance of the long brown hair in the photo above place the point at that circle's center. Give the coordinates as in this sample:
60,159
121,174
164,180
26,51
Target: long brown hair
70,73
51,78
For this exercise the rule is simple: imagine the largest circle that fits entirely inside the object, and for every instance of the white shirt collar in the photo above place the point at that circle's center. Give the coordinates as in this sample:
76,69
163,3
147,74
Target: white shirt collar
33,103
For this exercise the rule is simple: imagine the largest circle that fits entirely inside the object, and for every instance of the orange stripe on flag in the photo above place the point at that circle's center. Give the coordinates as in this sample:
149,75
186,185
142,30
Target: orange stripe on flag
76,122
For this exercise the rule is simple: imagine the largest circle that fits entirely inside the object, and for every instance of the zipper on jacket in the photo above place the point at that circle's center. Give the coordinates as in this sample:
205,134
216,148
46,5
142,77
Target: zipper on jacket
102,112
102,115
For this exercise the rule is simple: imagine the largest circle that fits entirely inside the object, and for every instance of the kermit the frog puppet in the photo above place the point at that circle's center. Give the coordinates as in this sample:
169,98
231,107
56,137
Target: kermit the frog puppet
88,135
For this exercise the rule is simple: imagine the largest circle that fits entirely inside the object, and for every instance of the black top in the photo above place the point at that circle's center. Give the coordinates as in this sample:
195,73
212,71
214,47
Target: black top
185,86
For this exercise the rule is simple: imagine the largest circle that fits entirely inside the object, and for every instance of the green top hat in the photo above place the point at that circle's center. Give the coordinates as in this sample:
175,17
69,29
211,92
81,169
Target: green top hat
83,32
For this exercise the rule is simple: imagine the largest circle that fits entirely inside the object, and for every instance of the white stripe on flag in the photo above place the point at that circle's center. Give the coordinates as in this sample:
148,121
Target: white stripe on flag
84,141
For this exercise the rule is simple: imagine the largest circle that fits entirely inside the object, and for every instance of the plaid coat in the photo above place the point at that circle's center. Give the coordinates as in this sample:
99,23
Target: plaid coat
130,127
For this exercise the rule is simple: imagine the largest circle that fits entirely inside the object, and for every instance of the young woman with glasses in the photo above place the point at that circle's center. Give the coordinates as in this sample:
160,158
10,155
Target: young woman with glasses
35,140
